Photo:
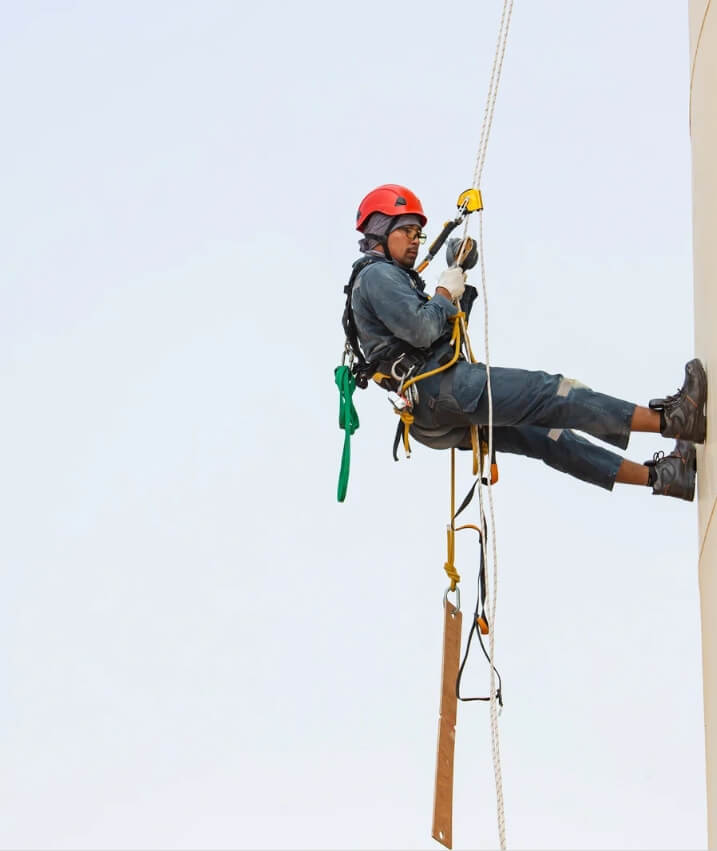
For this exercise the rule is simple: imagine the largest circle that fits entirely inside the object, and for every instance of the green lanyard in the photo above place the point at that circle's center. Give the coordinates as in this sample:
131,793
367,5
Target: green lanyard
348,421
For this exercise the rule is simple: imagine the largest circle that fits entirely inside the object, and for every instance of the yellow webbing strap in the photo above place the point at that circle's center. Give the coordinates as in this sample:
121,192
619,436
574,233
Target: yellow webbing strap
455,340
406,417
478,447
475,447
449,566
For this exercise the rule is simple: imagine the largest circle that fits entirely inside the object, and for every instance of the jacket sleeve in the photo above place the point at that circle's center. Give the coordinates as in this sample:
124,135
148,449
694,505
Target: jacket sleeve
400,307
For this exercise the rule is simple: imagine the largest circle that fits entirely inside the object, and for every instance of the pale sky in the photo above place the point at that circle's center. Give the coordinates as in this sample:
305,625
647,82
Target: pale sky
198,646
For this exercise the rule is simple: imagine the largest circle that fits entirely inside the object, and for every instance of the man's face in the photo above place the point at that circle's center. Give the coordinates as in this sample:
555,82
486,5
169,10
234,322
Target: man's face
403,244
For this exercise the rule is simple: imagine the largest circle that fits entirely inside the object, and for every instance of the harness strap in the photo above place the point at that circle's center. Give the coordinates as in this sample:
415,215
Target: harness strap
475,449
361,369
448,362
397,439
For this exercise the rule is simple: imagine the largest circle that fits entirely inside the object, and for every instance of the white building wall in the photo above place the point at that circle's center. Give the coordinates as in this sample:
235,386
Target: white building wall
703,130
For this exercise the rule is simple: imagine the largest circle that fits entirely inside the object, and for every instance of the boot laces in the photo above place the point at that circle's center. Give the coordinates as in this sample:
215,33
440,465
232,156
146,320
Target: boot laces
658,456
673,400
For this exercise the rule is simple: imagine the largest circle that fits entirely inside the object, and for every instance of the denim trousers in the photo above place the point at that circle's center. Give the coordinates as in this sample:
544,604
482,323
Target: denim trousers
534,414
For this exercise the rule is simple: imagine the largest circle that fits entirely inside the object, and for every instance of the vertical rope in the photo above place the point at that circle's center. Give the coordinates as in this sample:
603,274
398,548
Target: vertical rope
493,592
489,111
492,90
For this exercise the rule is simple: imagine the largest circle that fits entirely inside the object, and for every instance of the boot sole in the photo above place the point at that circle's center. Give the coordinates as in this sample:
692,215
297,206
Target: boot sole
700,432
691,463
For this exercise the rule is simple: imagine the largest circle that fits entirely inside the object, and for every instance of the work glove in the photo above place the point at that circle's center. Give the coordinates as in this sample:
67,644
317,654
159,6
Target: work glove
454,280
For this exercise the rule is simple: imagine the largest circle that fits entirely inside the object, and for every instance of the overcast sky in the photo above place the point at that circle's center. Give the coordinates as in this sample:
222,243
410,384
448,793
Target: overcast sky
198,646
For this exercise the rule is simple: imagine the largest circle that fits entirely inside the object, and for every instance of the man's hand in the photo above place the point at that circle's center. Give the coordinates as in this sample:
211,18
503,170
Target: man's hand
452,282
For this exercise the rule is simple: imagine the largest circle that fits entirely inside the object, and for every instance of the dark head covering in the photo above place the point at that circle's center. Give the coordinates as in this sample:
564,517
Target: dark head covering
379,225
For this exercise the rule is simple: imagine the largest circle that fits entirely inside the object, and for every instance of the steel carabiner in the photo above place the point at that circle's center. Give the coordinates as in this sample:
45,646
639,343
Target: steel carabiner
347,355
458,598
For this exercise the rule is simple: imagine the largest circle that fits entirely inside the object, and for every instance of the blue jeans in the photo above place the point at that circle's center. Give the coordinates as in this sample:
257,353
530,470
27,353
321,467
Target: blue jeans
533,415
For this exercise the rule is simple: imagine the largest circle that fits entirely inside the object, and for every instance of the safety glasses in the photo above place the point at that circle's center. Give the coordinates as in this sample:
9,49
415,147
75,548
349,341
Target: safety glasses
413,232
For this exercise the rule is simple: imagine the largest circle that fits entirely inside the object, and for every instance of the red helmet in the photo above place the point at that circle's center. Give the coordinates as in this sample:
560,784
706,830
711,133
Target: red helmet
391,200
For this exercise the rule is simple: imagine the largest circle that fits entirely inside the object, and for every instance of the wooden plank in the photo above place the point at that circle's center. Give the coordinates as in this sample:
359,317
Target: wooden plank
443,795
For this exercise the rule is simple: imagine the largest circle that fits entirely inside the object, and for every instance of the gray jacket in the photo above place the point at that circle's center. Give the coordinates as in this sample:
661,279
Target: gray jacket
391,310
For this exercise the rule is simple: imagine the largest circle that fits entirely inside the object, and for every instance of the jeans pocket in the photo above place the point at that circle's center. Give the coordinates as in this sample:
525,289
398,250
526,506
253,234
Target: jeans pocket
467,386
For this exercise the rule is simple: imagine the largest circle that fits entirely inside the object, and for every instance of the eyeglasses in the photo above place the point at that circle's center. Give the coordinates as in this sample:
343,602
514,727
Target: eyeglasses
413,232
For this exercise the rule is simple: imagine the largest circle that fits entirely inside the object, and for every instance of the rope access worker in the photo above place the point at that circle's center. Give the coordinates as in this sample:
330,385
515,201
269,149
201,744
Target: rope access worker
399,327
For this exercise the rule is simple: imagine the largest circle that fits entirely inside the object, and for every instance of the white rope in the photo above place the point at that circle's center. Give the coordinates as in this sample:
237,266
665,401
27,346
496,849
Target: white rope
493,594
492,90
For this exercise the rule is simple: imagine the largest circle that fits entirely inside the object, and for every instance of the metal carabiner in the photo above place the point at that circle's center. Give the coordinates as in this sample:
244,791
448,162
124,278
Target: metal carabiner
347,354
458,598
402,376
398,360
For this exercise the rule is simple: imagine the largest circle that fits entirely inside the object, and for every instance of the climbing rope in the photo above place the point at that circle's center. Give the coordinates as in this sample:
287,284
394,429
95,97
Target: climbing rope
492,90
493,595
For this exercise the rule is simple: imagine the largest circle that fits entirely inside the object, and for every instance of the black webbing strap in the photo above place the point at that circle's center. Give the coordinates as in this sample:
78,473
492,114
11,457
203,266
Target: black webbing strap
397,439
361,369
479,613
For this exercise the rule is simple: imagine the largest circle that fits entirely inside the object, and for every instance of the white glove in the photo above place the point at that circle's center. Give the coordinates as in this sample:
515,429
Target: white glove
453,280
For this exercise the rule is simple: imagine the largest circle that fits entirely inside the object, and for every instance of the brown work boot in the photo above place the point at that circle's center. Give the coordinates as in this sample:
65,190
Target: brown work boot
683,415
674,474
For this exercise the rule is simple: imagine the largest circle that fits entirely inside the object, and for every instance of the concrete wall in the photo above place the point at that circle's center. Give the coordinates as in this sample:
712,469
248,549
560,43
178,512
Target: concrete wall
703,130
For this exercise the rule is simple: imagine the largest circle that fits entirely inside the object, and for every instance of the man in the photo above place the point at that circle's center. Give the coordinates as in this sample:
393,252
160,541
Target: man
534,414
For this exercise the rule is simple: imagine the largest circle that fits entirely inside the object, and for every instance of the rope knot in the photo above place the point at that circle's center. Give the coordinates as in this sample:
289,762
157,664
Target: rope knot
407,419
452,573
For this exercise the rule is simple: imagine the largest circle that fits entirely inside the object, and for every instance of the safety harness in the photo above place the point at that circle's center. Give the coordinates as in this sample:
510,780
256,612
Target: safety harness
398,370
408,357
